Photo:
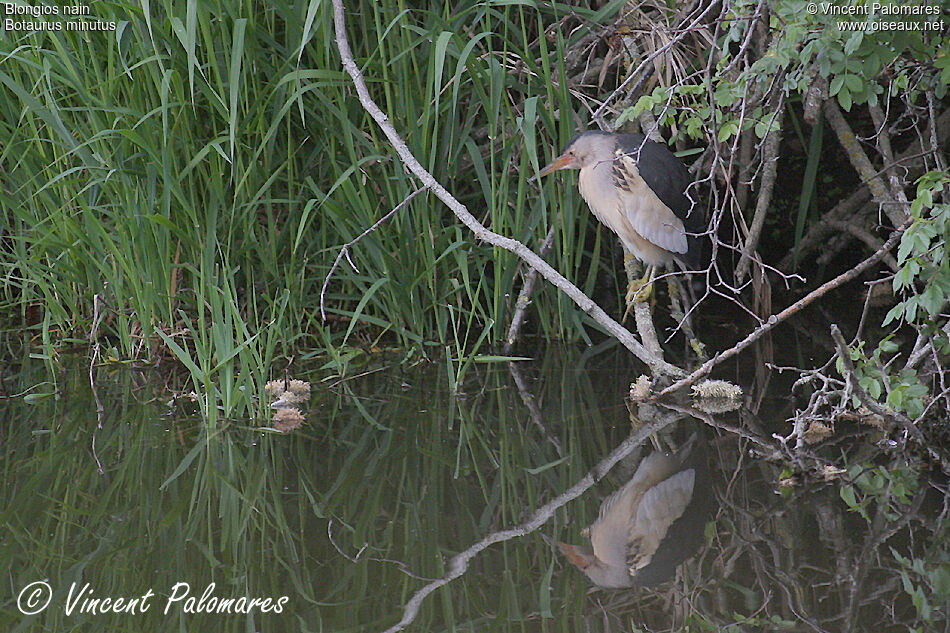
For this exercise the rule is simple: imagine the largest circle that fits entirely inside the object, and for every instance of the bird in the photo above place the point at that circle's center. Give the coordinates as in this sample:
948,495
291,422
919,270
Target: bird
651,524
637,188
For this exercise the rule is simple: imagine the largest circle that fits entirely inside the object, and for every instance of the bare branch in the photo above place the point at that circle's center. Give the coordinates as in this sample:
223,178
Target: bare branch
585,303
524,297
345,251
861,163
793,309
769,170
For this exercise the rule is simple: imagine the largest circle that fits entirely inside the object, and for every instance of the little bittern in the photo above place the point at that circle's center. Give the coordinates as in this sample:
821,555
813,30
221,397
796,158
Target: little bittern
651,525
637,188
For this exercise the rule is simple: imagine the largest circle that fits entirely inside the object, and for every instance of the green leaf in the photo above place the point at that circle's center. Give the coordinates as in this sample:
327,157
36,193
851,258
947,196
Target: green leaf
727,130
844,98
893,314
854,83
888,346
853,43
836,84
847,495
940,580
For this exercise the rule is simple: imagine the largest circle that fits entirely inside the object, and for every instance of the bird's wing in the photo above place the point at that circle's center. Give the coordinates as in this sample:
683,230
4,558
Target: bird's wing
660,506
644,207
664,173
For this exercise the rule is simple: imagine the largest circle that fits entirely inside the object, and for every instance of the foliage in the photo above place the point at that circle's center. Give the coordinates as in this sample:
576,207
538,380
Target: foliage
905,392
806,43
924,276
196,172
925,577
924,258
872,485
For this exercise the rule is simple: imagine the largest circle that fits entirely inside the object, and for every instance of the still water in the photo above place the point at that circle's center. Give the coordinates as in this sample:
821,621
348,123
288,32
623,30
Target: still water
338,525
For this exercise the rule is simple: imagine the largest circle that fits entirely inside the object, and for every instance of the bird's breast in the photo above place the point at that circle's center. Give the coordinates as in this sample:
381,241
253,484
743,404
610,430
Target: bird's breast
597,188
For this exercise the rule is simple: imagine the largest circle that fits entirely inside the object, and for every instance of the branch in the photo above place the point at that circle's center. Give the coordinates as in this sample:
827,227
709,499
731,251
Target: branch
585,303
884,145
524,297
766,186
345,251
861,163
793,309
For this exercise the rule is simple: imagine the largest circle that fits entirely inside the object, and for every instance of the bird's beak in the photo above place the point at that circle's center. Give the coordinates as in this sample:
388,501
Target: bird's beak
574,554
561,162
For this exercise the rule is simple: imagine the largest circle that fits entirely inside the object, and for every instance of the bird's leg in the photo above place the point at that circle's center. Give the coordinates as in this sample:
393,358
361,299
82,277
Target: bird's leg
639,290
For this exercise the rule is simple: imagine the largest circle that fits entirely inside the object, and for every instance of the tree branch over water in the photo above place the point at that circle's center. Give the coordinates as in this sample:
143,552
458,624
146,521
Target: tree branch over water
657,365
791,310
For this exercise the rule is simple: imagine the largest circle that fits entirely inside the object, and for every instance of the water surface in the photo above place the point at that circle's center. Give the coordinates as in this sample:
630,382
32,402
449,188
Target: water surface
398,470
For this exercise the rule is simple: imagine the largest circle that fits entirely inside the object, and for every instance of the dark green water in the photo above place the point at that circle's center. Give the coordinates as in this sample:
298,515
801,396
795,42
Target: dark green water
335,526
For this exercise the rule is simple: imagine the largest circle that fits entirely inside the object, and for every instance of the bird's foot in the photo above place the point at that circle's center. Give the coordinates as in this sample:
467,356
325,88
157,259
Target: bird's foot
638,291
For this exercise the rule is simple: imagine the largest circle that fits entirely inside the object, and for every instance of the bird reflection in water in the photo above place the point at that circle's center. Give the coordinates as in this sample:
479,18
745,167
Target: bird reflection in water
647,528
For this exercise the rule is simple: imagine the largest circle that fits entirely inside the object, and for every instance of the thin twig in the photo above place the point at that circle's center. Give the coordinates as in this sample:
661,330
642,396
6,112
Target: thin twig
527,290
770,147
345,250
531,404
403,567
93,359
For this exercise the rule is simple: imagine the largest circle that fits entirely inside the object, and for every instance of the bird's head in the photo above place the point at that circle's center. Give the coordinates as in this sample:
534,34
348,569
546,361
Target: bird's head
600,573
584,150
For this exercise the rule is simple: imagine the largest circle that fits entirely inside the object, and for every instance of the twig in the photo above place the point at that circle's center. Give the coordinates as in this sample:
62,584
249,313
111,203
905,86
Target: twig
585,303
531,404
345,250
93,359
403,567
524,297
884,145
793,309
766,186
